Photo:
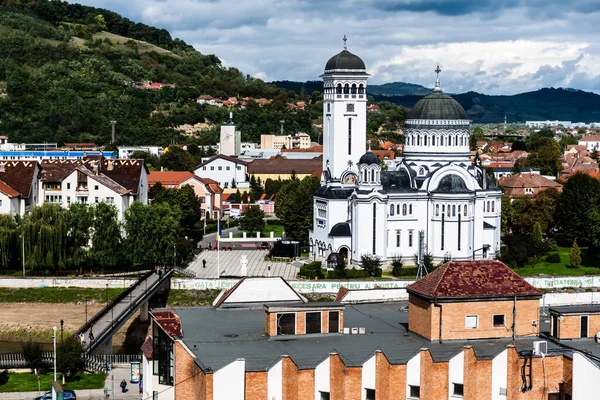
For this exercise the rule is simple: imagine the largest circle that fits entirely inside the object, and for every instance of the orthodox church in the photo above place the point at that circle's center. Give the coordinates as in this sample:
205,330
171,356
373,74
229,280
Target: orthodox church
432,198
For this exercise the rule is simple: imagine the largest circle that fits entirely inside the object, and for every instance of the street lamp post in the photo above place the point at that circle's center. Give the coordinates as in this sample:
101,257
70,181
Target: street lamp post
86,312
62,323
54,328
106,293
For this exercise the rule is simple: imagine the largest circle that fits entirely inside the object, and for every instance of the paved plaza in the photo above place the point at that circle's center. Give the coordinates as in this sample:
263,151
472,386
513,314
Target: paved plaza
231,265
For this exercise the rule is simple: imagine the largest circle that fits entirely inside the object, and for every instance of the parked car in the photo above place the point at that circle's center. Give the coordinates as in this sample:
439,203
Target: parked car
265,246
69,395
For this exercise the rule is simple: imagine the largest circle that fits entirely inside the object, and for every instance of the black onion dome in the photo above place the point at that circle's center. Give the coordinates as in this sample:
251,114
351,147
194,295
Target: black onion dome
345,61
369,158
340,229
437,105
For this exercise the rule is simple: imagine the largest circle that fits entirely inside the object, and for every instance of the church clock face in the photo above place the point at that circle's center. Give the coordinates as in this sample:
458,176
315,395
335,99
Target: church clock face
350,107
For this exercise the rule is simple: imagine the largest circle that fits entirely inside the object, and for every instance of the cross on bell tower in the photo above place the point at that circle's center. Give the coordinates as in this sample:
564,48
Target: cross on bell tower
437,80
345,39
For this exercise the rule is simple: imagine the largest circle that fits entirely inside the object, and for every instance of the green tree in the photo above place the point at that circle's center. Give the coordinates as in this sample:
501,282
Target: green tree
80,217
252,220
577,209
106,235
294,206
155,190
46,236
33,352
151,161
100,22
176,159
10,244
371,264
185,198
69,355
151,233
575,256
546,158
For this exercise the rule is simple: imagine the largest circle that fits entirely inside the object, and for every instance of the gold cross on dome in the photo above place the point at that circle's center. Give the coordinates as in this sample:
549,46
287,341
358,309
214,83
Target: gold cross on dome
437,71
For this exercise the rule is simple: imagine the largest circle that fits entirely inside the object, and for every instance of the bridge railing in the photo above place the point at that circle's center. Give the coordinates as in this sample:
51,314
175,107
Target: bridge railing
94,362
165,276
114,301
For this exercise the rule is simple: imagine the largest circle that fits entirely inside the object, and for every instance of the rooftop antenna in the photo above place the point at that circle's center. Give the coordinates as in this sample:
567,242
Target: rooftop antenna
437,80
422,270
345,39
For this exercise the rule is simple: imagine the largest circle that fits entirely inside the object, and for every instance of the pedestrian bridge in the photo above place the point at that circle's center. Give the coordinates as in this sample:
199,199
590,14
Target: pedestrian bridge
115,314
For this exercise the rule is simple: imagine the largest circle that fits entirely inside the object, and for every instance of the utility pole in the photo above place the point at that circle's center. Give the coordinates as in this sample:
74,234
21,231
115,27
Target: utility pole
23,246
282,122
112,125
422,269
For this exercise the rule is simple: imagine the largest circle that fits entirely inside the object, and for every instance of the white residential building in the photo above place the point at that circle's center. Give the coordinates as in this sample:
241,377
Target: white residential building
592,142
224,170
127,151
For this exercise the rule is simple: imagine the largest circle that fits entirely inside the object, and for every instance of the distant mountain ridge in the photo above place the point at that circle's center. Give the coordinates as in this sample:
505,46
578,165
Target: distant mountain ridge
565,104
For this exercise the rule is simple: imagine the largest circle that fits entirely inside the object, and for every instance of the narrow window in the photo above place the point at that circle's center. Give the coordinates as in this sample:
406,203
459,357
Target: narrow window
392,210
398,209
286,324
437,210
334,321
403,209
465,210
374,226
349,136
414,391
410,238
433,141
458,389
493,205
499,320
324,396
398,238
369,394
442,233
313,322
346,89
459,226
425,140
410,209
443,208
488,206
454,210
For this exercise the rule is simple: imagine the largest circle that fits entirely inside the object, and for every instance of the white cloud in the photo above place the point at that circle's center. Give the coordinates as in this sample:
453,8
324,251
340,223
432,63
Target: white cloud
491,46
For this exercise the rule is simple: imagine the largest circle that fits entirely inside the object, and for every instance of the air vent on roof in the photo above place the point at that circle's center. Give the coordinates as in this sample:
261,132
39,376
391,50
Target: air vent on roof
346,331
354,331
361,331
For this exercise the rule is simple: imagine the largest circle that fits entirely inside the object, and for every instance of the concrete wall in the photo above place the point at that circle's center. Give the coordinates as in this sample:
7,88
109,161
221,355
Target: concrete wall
586,378
274,382
229,382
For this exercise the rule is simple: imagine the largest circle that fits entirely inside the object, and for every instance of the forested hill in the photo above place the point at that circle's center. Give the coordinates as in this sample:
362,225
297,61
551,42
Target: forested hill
544,104
66,70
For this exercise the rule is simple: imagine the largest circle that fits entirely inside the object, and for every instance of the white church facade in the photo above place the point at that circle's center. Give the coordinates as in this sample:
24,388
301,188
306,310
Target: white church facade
433,190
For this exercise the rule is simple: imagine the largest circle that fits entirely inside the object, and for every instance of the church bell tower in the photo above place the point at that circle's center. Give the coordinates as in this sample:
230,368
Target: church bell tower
344,113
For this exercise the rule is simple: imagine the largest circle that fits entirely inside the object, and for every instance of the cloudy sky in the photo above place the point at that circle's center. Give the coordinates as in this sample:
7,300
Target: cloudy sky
489,46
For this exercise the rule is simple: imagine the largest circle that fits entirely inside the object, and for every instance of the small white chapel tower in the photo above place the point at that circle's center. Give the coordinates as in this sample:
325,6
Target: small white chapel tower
344,113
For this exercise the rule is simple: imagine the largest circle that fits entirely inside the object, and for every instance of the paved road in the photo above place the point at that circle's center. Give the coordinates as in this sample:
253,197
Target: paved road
111,314
230,265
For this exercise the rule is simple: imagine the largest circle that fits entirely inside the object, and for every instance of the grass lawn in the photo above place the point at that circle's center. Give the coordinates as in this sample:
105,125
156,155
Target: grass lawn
56,295
190,298
590,265
27,382
277,229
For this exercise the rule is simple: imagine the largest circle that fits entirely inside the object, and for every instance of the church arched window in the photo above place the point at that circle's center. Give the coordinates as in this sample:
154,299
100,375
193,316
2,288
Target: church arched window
328,107
338,88
392,210
398,209
425,140
493,204
346,89
488,206
443,208
465,210
453,210
403,209
437,210
433,141
353,90
361,89
410,209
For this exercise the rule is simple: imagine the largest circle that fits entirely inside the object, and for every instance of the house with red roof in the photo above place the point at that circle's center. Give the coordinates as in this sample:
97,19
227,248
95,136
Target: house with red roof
18,186
526,184
473,300
206,189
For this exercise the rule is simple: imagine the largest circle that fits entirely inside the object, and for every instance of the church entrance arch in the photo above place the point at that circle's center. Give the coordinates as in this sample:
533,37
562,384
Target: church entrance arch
344,251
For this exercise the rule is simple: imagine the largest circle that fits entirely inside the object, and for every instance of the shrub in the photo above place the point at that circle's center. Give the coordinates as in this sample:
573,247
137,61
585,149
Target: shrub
357,273
69,356
575,256
397,267
553,258
33,354
370,264
312,270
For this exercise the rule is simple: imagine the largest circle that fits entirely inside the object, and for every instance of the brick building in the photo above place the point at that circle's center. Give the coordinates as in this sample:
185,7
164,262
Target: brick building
278,350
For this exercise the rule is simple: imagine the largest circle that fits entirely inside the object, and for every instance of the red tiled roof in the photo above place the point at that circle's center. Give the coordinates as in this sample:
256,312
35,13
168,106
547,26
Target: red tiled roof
168,177
7,190
147,348
527,180
384,154
472,279
314,149
282,165
169,321
341,294
590,138
19,176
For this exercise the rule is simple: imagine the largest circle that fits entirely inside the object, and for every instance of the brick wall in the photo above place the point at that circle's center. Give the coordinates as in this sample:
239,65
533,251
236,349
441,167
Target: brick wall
306,385
336,377
382,376
270,324
300,323
289,377
477,376
256,385
325,322
353,383
190,382
397,382
419,316
434,377
570,326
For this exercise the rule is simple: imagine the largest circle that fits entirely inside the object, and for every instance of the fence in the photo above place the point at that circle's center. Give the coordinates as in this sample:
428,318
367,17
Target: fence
92,362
